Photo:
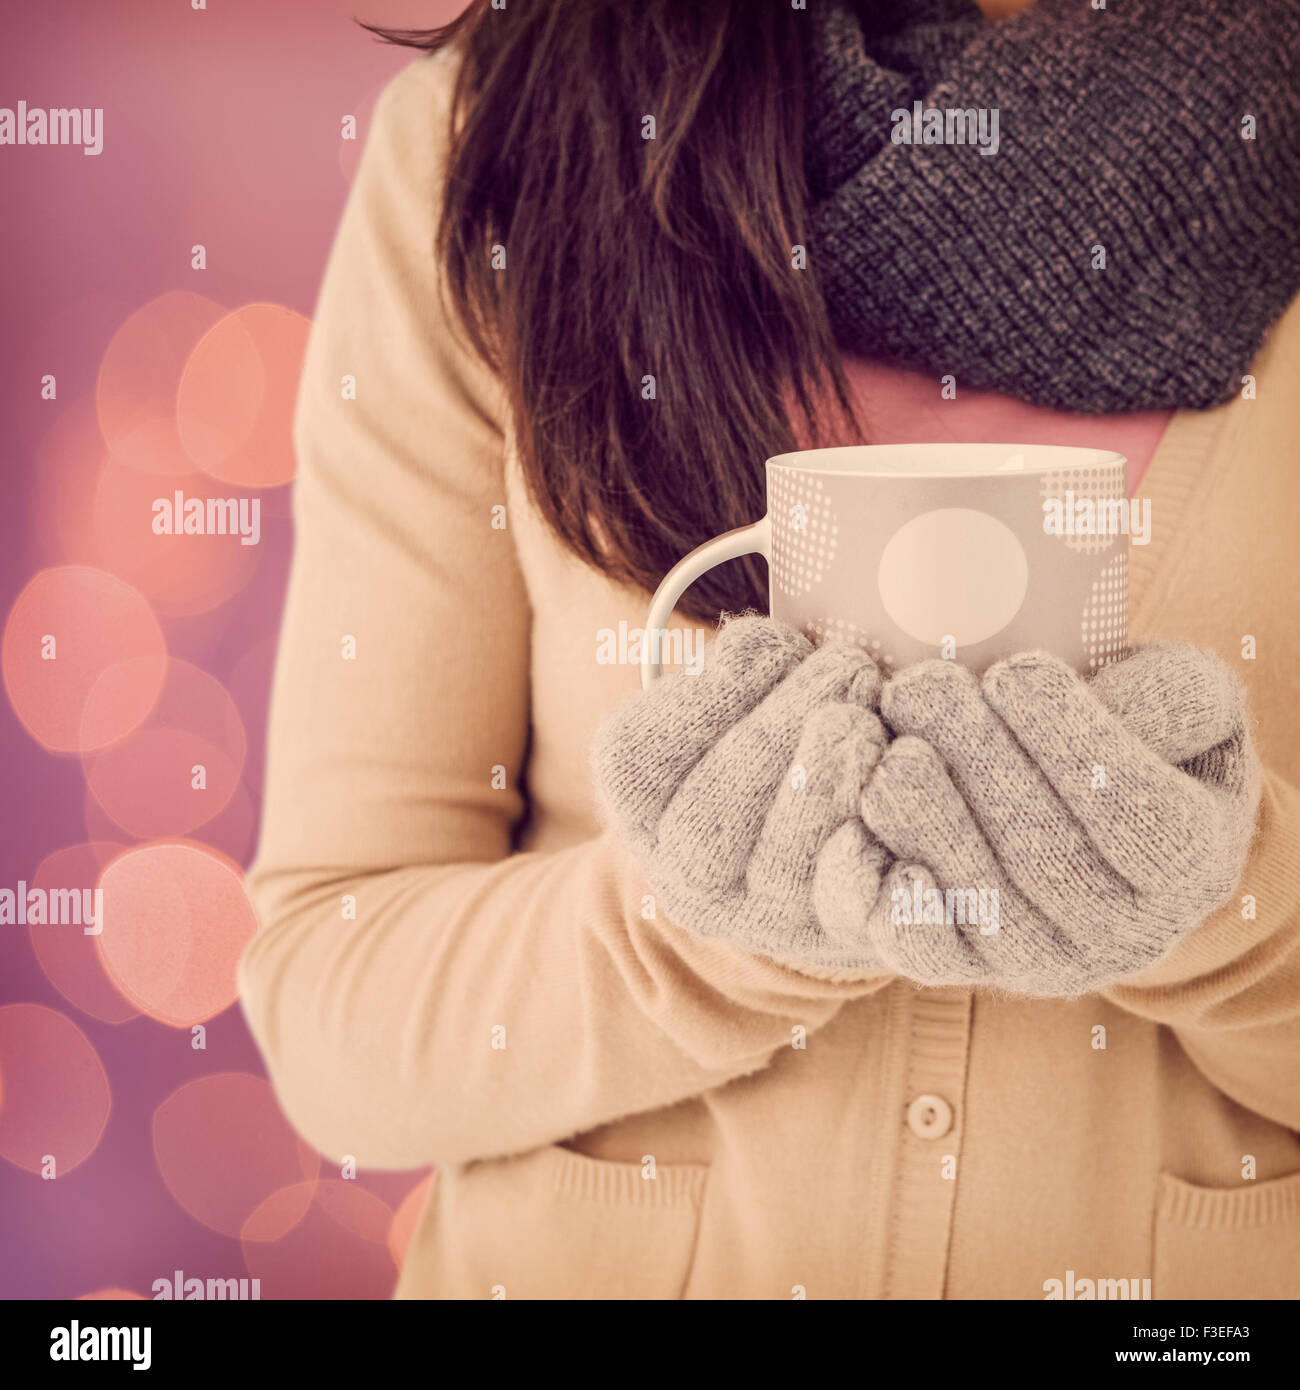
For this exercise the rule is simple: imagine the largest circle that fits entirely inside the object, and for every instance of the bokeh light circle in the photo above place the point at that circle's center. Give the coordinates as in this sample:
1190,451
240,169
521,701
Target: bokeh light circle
139,375
55,1098
69,957
237,396
222,1146
176,921
179,572
147,783
338,1250
91,622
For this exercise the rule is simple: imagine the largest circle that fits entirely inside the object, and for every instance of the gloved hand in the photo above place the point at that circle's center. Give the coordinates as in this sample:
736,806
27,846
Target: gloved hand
1110,816
727,785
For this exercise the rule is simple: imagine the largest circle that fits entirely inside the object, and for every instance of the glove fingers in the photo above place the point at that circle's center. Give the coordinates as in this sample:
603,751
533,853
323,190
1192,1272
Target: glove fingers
1026,956
1033,837
713,822
1149,820
846,882
1175,698
651,742
929,953
913,809
839,747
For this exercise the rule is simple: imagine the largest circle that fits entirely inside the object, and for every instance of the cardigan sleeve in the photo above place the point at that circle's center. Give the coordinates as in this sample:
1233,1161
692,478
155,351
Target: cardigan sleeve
419,992
1231,989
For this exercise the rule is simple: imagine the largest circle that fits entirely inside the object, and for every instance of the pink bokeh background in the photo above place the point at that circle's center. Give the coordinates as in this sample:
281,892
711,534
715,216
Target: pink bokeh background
223,127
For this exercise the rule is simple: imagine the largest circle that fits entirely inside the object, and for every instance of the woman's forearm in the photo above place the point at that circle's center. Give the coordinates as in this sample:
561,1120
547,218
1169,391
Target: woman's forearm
477,1010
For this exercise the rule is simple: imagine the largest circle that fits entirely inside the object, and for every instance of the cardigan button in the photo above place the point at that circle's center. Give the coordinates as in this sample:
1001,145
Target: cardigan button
929,1117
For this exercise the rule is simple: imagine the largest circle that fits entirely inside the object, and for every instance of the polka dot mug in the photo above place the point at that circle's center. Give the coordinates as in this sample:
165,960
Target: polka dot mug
966,551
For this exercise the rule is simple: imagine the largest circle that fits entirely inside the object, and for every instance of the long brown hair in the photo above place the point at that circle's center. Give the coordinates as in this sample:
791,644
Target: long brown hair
629,258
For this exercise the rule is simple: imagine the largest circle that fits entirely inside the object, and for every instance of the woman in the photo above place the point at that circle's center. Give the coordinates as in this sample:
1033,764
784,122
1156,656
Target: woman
476,955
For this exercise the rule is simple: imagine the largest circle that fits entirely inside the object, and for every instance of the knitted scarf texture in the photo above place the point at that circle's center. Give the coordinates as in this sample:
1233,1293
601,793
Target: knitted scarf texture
1126,240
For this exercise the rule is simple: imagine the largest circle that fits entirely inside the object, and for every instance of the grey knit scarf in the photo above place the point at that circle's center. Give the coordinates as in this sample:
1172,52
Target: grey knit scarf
1121,226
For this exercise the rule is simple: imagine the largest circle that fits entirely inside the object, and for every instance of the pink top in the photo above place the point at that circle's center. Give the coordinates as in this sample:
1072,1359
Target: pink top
898,406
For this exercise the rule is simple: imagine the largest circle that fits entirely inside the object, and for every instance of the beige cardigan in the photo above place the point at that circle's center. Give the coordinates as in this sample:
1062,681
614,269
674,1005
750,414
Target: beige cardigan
616,1108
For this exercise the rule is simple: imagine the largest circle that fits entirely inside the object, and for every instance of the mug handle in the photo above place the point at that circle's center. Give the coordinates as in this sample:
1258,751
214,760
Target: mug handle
744,540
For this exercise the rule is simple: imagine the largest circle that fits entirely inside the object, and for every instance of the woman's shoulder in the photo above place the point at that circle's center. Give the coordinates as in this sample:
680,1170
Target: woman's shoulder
385,290
424,76
412,114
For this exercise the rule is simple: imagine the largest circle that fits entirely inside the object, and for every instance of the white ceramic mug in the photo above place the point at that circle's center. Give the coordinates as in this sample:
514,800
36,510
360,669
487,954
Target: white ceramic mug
969,551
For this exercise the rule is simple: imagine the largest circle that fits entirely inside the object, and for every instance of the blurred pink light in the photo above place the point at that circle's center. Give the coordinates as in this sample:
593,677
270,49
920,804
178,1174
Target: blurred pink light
139,375
339,1250
67,628
237,396
223,1146
54,1095
176,921
68,956
181,767
405,1218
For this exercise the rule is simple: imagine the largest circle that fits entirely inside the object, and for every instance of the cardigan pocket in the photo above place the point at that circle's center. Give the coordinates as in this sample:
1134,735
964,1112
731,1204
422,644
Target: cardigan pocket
556,1223
1233,1242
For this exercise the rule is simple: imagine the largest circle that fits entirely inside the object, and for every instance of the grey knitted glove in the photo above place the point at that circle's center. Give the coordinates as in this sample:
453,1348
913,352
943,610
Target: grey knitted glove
1110,817
727,785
